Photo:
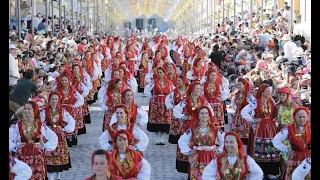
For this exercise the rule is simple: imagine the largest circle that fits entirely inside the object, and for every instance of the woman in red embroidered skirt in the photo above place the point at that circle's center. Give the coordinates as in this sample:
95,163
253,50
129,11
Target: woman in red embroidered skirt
262,132
159,115
59,121
186,112
111,98
232,163
30,139
201,143
174,98
143,70
127,163
72,101
299,136
239,101
216,90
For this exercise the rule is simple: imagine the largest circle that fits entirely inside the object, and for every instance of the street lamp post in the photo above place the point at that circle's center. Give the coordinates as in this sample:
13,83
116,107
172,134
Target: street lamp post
222,10
214,15
251,13
60,14
234,12
18,17
64,16
52,22
261,11
291,16
32,14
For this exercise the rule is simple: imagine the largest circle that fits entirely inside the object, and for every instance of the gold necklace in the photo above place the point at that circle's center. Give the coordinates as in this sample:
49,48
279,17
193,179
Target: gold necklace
194,103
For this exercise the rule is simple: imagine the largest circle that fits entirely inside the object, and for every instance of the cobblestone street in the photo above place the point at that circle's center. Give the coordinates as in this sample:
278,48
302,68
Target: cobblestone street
161,158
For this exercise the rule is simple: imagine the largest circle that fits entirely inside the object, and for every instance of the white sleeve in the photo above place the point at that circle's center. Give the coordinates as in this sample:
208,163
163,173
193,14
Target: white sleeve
224,89
148,89
184,141
14,137
102,92
51,137
233,103
87,80
43,115
134,59
169,100
69,128
255,172
277,140
107,74
210,171
203,80
104,141
189,75
180,50
80,100
149,76
177,110
145,171
169,58
132,82
142,137
85,90
248,111
143,117
21,169
220,138
302,170
102,102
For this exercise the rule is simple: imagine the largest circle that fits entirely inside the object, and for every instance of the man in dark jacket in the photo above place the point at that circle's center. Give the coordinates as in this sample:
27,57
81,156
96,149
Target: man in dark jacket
216,56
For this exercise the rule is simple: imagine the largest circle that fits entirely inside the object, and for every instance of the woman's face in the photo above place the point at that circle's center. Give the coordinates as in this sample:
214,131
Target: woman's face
64,81
119,85
283,97
170,68
100,164
129,96
203,115
301,117
121,115
213,76
231,144
122,143
124,66
116,61
54,100
197,90
145,56
121,73
160,73
179,82
115,74
28,111
158,55
76,69
240,87
267,92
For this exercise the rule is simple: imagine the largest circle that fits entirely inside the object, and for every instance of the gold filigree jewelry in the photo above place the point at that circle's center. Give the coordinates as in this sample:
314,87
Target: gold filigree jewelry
194,104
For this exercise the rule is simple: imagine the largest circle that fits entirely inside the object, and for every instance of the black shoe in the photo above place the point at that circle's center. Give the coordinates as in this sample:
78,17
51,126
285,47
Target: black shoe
158,143
161,143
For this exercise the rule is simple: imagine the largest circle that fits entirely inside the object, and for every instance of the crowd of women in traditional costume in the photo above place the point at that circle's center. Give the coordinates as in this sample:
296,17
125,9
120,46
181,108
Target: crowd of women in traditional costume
187,99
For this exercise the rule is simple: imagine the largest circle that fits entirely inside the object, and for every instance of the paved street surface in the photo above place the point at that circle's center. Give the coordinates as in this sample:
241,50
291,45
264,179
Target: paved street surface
161,158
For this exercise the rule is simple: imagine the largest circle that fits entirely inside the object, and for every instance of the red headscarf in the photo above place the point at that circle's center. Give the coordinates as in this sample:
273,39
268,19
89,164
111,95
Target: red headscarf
118,133
301,108
59,109
261,90
211,117
108,156
191,87
195,71
184,80
246,91
35,107
241,155
217,82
